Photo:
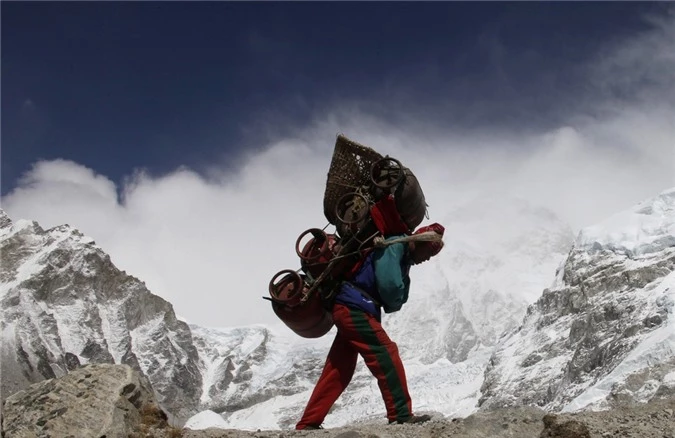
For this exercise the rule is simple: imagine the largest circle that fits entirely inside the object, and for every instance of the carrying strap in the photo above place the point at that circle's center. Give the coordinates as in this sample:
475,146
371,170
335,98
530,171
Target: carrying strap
386,217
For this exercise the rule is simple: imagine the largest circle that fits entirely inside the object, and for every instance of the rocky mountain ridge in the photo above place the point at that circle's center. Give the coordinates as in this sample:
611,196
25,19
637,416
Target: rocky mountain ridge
64,304
583,343
605,330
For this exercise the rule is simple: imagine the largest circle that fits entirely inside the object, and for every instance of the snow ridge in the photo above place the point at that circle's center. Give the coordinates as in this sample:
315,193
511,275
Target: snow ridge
604,332
477,332
64,304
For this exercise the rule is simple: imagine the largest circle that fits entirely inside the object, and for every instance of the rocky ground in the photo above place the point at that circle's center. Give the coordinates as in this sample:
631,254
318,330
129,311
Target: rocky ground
114,401
653,420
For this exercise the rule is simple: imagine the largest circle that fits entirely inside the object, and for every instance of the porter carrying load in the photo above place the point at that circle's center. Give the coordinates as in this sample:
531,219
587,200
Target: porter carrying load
368,197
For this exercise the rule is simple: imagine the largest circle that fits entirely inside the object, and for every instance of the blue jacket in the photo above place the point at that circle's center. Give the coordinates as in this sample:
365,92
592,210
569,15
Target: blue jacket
381,282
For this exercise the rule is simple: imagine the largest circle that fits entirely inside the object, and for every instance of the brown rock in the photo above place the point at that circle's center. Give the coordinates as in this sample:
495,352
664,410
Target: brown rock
566,429
57,407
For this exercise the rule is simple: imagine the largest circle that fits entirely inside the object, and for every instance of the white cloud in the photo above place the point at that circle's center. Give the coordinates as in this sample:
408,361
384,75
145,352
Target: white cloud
210,246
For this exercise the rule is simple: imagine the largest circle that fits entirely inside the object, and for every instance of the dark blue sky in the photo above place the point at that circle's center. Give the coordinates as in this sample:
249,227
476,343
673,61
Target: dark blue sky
120,85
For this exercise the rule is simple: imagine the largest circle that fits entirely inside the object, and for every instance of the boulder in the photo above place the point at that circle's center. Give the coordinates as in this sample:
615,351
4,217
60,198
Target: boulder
98,400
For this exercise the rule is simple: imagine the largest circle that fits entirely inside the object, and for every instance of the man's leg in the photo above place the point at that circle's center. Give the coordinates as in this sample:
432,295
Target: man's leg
336,375
381,355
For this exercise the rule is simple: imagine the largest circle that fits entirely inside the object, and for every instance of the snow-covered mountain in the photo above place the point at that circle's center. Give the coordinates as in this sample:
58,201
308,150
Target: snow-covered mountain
602,332
257,378
254,367
63,303
254,376
499,255
605,330
460,302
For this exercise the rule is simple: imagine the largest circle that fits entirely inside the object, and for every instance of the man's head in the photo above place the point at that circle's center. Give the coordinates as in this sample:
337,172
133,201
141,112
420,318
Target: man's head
422,250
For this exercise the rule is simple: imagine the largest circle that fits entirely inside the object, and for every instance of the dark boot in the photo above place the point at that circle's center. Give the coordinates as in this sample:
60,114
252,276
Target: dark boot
413,419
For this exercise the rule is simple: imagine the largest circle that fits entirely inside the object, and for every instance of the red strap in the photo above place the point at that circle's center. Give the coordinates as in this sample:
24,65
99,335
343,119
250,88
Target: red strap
355,269
386,217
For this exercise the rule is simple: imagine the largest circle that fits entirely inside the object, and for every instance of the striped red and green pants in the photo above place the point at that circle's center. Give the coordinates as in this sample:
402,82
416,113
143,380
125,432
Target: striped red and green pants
359,333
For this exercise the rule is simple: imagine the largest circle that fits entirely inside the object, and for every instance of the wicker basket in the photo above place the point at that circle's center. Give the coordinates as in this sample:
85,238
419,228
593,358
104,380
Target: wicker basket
349,171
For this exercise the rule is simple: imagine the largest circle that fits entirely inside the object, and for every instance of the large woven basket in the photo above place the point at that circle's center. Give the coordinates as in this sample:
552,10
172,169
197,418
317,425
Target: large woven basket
349,171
